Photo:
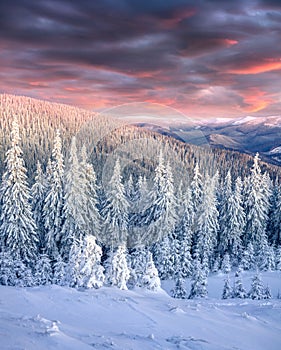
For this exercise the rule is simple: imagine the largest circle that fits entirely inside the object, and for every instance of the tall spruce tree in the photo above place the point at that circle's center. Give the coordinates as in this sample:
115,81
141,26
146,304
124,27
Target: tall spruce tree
74,209
53,206
117,270
161,216
232,220
198,281
90,188
197,188
276,219
115,212
256,211
183,234
18,229
207,224
38,193
91,272
257,291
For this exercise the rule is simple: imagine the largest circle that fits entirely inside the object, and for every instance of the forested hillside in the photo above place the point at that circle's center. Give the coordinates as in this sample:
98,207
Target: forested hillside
39,121
112,204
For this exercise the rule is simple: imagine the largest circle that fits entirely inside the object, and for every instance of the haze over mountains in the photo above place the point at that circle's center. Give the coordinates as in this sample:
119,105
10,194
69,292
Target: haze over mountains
247,134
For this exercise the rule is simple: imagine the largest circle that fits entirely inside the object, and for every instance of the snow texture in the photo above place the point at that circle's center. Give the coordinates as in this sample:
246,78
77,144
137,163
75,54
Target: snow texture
54,317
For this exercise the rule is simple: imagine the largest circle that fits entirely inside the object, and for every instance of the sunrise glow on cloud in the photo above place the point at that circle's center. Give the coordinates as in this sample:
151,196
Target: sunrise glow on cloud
206,58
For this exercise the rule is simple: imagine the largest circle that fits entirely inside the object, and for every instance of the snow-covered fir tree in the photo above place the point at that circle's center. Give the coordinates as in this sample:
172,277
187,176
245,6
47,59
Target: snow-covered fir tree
163,257
89,179
150,279
267,293
179,291
198,281
267,258
115,212
18,231
117,270
91,271
232,220
72,269
38,193
142,192
256,211
43,273
238,289
278,258
183,234
197,188
225,265
161,216
130,189
138,261
248,260
207,224
75,201
59,276
224,209
276,219
227,290
53,206
7,270
257,288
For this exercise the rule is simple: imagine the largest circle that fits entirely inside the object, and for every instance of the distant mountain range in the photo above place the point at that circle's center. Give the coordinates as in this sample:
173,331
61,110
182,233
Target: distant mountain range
247,135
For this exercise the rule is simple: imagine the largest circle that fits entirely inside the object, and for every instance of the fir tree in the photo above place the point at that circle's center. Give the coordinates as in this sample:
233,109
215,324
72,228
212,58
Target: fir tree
225,265
278,258
232,220
117,271
267,258
183,235
225,215
161,216
248,261
179,291
227,290
74,210
88,178
7,271
53,206
23,275
207,224
276,220
150,279
197,188
163,257
115,213
91,272
198,281
267,293
43,270
59,276
238,289
138,261
18,229
256,209
38,192
257,288
72,269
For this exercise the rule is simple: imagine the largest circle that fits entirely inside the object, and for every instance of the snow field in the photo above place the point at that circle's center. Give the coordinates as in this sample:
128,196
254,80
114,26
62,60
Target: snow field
53,317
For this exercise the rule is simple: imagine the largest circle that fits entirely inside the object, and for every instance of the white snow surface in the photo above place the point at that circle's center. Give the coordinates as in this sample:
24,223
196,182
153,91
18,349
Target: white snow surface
54,317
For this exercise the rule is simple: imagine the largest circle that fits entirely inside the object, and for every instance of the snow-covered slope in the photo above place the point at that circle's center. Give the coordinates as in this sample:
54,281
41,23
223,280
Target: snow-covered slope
62,318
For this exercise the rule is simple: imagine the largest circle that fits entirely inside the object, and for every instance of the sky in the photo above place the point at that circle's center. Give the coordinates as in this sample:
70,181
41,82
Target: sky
207,59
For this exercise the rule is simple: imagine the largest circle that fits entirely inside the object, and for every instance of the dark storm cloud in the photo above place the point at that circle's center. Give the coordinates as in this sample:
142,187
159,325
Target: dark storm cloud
211,50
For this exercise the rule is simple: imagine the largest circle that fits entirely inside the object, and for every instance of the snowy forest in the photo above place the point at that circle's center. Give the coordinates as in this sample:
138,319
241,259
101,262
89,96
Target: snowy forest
85,217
